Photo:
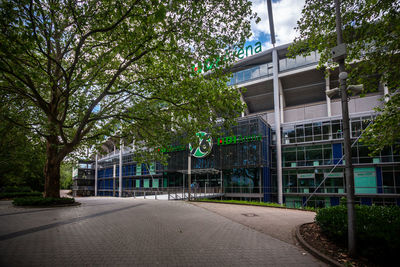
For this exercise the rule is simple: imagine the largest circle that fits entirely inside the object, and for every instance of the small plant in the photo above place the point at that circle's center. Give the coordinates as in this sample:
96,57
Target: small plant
377,229
42,201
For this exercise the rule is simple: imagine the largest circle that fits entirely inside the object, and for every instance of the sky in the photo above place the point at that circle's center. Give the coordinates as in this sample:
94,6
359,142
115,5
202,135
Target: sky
286,13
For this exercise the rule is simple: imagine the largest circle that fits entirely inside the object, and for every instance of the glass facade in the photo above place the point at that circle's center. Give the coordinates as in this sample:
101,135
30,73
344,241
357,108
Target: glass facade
265,70
311,150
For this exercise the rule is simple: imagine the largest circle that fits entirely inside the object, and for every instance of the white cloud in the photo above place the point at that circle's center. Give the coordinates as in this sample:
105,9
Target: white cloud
286,13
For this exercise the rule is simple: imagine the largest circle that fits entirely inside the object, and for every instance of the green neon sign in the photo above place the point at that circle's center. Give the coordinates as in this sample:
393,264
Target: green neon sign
239,54
201,150
204,147
230,140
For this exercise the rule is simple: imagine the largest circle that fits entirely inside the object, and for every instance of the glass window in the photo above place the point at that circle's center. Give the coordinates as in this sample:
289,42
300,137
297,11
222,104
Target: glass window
282,64
355,128
388,182
263,70
317,131
336,129
327,155
308,132
299,133
326,130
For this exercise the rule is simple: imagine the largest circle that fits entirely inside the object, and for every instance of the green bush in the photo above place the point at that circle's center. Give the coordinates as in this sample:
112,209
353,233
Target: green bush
377,229
42,201
19,194
15,189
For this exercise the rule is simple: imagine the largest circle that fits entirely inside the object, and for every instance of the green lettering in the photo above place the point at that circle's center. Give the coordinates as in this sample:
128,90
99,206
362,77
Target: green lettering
247,50
257,48
208,65
228,140
240,54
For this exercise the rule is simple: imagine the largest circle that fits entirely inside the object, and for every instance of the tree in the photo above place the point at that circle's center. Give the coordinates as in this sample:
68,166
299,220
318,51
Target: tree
21,158
81,70
371,31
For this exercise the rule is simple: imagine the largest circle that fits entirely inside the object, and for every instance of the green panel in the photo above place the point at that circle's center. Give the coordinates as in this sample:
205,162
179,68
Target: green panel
155,183
146,183
365,180
306,175
376,160
137,183
139,169
152,168
165,182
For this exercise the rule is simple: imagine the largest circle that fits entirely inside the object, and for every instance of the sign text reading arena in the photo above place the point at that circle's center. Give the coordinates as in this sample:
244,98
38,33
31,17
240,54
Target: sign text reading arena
239,54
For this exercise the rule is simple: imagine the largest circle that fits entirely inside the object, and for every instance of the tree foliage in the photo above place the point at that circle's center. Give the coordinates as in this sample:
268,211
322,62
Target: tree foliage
22,157
78,70
371,30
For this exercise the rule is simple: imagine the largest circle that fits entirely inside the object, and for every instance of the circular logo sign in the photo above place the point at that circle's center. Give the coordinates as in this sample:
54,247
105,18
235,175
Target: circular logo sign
204,147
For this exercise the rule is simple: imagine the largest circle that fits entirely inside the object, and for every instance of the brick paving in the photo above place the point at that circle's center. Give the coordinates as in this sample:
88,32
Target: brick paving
133,232
276,222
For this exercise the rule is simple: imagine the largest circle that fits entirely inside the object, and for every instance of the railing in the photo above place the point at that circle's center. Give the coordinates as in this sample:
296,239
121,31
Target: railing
179,193
89,188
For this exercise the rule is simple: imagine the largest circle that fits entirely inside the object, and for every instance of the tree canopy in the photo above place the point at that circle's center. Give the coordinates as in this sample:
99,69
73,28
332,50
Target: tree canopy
371,32
74,72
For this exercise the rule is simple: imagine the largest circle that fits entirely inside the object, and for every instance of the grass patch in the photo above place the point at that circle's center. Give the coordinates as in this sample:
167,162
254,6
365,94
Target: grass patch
42,201
253,203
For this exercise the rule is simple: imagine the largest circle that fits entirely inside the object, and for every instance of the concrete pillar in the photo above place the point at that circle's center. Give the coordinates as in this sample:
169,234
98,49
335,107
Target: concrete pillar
246,110
95,176
281,99
328,100
277,125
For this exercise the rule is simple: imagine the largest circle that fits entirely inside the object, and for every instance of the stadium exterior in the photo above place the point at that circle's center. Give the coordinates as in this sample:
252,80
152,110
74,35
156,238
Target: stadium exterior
244,166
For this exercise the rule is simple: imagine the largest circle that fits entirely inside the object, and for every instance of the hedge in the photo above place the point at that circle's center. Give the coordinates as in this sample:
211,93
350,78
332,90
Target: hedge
42,201
377,229
19,194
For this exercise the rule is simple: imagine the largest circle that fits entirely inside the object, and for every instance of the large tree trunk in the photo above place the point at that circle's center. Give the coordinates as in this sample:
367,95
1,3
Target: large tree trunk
52,170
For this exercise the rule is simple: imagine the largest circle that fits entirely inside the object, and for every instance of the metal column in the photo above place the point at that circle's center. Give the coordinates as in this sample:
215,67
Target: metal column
120,169
95,177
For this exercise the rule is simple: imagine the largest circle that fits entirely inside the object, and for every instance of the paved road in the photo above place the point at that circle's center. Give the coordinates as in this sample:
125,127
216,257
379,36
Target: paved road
275,222
133,232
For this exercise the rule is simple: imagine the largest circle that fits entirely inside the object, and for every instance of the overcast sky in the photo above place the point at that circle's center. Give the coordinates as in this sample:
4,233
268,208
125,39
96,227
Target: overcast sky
285,13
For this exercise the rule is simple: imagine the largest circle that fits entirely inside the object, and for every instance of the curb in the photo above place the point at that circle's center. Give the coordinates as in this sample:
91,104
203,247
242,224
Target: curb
244,204
52,206
312,250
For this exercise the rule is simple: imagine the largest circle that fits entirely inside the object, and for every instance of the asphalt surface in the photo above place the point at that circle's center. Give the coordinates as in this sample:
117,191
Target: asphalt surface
133,232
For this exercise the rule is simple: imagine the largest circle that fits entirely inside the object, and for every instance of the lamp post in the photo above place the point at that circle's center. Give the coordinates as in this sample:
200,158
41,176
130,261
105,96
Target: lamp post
339,55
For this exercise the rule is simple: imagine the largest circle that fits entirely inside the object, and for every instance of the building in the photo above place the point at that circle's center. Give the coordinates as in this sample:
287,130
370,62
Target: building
311,145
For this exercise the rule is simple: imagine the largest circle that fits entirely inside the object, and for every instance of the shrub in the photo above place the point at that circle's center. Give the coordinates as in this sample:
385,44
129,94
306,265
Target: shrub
19,194
377,229
14,189
42,201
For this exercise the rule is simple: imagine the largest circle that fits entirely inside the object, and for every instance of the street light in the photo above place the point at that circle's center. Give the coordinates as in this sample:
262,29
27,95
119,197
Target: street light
339,55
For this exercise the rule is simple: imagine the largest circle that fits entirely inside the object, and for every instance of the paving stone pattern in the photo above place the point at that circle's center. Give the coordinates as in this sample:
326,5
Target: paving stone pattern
132,232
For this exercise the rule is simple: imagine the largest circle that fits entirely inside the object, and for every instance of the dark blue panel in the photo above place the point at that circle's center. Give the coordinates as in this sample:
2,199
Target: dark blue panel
366,201
266,173
337,153
398,201
335,201
379,179
266,170
304,200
